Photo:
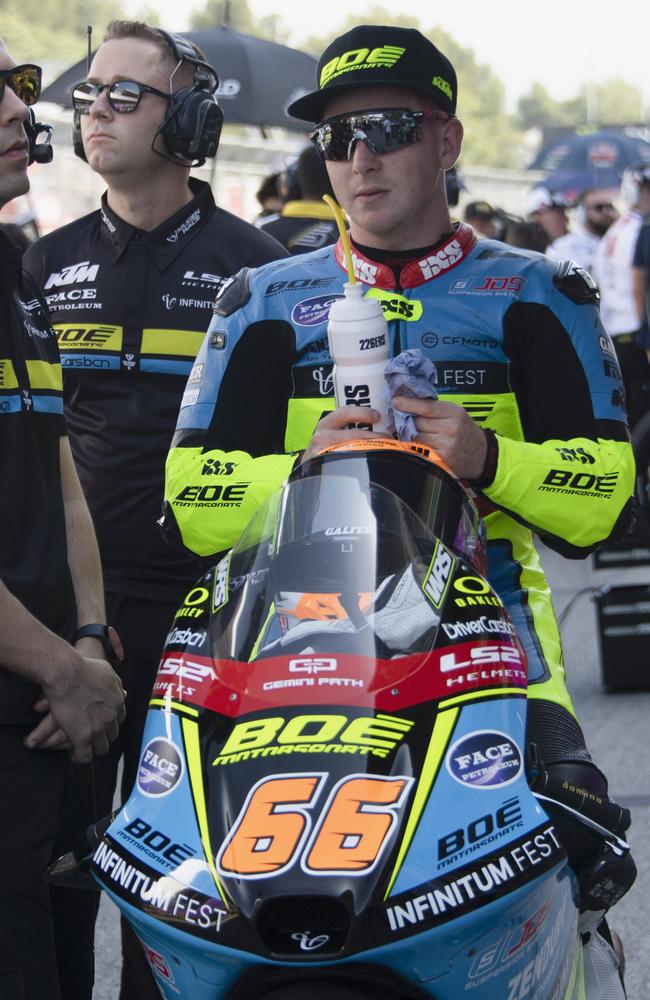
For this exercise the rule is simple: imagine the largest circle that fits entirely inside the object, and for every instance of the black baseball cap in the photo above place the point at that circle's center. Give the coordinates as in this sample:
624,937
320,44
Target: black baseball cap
373,55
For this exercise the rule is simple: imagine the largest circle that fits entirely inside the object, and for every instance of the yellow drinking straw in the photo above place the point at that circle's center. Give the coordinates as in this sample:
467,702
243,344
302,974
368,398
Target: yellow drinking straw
345,239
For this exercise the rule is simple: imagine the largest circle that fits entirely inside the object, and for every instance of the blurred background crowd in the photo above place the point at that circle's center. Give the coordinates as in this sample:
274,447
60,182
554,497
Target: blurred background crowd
552,175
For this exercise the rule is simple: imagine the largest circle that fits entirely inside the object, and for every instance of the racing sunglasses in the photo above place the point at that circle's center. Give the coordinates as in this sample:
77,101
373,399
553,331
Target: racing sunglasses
383,131
124,96
24,80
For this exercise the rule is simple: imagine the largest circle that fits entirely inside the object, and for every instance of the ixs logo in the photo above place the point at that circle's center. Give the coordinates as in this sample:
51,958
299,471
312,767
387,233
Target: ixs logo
360,59
312,312
213,495
364,270
435,585
161,767
73,274
576,455
484,830
214,467
580,483
484,759
434,265
397,307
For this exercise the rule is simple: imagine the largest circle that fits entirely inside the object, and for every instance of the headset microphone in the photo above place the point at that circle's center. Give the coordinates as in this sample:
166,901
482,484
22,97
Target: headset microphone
39,152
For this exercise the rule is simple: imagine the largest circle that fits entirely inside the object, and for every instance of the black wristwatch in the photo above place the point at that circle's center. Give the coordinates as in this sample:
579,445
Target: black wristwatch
100,632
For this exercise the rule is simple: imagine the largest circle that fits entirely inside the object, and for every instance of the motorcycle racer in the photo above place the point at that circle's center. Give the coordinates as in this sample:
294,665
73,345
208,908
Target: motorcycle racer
530,410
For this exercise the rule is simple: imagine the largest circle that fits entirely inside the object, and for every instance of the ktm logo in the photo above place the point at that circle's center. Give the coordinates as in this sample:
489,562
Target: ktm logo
73,274
384,55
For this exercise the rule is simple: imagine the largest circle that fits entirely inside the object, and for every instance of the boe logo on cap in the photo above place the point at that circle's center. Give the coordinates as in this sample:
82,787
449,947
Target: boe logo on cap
161,767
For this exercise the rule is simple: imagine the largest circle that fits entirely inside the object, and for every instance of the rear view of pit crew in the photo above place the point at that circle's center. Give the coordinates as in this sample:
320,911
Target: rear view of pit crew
531,407
130,288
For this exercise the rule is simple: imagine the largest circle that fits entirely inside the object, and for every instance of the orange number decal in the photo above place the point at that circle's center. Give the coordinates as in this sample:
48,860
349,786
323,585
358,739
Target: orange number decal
355,825
271,827
352,833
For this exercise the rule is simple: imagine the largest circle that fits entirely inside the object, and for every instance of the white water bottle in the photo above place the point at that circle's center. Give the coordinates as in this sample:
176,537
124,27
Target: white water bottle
359,345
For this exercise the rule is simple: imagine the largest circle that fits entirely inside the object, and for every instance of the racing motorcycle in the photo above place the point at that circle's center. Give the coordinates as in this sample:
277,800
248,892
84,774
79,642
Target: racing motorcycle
333,797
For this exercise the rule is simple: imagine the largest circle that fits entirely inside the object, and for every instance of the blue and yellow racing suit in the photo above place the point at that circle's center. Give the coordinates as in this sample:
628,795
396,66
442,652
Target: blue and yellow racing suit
517,341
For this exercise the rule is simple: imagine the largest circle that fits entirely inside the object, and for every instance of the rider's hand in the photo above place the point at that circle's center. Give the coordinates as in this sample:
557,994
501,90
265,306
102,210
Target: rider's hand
86,703
333,428
450,431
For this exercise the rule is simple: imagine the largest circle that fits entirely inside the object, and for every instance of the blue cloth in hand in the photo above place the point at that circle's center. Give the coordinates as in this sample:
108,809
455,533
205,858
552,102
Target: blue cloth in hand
409,374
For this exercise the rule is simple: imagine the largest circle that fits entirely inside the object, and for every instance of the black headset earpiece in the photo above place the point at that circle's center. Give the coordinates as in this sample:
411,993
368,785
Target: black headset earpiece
77,141
192,126
39,152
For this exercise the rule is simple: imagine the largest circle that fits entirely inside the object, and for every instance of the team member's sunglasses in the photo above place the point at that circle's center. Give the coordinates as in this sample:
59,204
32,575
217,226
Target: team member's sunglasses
383,131
123,95
25,81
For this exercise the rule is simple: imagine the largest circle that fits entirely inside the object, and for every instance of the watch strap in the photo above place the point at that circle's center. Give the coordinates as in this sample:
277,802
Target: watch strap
96,631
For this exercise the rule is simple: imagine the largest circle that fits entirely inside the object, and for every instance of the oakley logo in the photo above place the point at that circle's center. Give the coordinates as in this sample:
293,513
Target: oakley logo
384,55
73,274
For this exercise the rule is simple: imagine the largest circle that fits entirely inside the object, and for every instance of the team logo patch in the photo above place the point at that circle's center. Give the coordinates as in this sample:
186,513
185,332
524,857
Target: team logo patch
161,767
311,312
484,760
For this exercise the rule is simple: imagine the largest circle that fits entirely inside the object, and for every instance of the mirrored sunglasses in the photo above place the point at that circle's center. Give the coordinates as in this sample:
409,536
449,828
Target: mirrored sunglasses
24,80
383,131
123,95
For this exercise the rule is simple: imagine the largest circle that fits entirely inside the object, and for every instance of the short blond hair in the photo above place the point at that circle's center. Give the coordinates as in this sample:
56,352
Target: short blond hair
118,29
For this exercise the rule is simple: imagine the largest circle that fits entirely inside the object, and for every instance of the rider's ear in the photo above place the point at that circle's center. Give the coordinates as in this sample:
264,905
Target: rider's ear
452,139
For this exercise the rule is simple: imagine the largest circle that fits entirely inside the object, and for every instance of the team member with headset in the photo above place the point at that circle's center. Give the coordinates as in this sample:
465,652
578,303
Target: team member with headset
57,691
131,288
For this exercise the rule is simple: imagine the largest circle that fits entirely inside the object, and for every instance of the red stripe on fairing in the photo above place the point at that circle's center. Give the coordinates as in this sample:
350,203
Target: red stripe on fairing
234,688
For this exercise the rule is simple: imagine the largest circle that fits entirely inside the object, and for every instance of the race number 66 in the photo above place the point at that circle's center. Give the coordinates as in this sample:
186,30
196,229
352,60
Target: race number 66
277,825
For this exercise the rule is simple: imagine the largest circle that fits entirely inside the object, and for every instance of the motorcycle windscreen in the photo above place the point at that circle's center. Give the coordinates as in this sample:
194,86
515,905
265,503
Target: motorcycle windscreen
307,796
331,566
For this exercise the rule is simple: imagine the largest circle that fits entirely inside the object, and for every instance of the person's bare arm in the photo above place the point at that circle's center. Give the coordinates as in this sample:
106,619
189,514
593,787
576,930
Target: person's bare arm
84,695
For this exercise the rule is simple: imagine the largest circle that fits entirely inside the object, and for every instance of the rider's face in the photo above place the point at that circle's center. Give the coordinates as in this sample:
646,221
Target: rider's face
395,201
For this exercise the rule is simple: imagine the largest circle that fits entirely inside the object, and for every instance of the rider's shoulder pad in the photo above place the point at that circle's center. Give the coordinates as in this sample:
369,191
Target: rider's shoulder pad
576,283
234,294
